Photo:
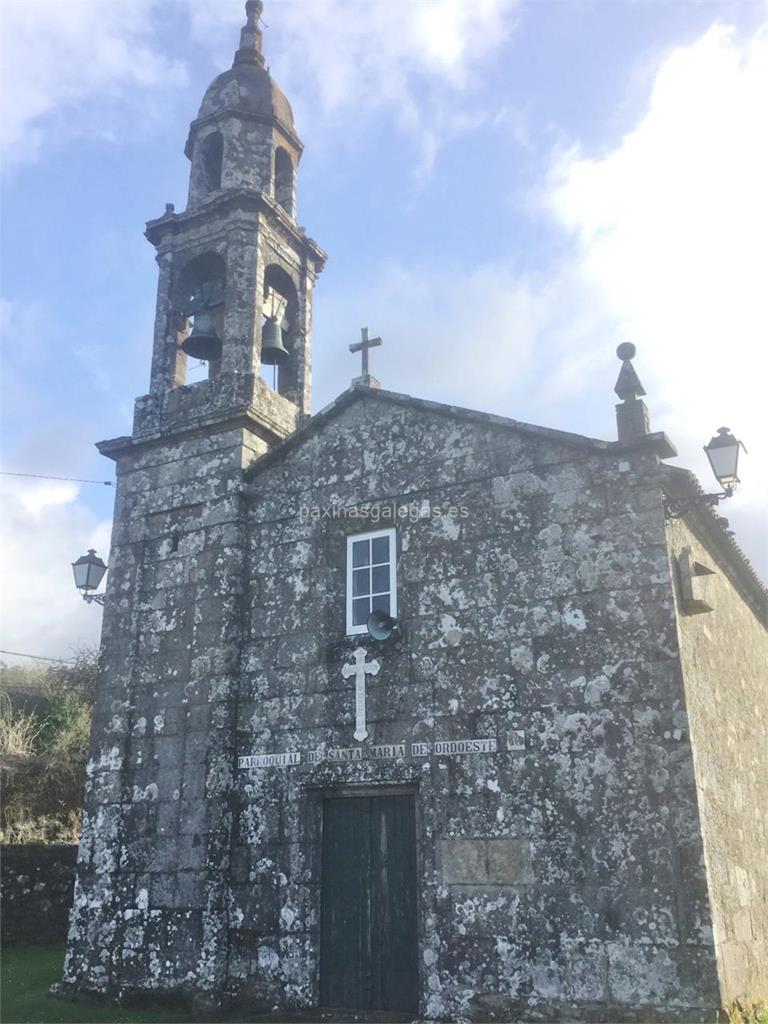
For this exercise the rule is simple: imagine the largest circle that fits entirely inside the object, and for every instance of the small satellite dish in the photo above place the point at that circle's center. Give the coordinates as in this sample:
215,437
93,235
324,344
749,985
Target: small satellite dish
381,625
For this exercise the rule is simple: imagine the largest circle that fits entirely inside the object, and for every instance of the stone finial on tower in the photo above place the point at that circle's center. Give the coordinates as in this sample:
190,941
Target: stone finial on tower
250,35
631,414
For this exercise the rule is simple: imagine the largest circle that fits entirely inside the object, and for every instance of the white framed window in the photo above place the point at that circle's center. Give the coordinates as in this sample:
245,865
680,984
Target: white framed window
371,577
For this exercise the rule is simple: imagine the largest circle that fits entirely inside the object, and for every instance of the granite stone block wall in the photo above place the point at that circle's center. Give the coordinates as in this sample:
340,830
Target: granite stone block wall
150,902
724,653
565,866
539,603
561,870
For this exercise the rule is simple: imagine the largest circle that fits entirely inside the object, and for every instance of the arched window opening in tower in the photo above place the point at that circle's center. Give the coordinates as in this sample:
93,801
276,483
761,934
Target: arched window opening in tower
280,317
200,299
212,155
284,180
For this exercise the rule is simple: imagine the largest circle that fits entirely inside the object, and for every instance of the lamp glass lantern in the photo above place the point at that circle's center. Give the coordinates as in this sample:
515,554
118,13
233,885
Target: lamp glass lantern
723,454
88,571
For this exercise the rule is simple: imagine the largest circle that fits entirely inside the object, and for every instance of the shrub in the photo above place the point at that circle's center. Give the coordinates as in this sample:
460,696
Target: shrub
19,731
43,752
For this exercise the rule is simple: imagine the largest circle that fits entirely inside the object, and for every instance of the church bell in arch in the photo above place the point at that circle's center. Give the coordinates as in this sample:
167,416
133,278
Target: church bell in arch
204,303
204,342
273,352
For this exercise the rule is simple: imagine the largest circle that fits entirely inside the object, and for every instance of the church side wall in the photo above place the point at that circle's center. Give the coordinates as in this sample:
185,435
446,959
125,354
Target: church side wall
560,877
724,653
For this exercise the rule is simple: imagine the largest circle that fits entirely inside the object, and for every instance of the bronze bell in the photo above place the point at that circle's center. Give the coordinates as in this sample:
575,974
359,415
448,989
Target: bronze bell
273,352
203,342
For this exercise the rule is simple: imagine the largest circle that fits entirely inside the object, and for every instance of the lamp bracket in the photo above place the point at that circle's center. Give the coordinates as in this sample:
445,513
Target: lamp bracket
676,507
95,599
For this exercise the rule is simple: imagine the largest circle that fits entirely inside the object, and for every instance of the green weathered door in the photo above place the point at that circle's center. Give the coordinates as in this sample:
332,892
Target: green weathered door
368,943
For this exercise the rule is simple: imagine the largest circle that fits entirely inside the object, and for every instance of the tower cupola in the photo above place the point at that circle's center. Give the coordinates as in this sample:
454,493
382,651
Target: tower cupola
244,135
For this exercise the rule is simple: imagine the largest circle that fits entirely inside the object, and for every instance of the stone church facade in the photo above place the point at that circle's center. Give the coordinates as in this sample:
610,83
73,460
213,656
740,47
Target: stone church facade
541,797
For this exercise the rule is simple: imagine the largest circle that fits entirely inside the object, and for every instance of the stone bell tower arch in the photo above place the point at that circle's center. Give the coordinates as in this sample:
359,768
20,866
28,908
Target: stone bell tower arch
157,824
241,213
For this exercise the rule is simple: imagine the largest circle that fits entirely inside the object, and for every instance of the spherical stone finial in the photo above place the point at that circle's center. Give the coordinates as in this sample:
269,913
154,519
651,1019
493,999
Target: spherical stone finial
626,350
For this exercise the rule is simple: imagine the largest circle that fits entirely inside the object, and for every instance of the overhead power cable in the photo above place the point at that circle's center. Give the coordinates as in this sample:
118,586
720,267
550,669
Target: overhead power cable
38,657
68,479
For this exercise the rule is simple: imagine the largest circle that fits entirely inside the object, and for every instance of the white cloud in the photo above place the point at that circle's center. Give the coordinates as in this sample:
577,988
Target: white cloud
461,336
348,60
362,54
41,495
490,338
85,68
670,234
669,251
41,612
67,67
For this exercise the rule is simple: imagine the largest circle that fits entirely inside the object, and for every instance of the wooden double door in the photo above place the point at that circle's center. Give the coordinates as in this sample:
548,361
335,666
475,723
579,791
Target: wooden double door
368,929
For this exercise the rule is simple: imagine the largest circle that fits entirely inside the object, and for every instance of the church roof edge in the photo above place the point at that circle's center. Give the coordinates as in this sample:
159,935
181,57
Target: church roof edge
713,529
359,392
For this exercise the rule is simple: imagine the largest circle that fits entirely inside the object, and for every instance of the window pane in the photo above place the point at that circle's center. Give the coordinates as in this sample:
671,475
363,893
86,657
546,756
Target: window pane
361,579
360,553
380,547
360,611
380,579
381,603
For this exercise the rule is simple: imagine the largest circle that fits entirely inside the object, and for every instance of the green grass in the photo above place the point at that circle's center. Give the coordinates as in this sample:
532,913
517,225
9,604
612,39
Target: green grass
27,975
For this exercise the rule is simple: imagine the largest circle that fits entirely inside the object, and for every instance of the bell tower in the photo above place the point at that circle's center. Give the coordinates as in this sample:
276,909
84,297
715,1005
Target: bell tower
236,272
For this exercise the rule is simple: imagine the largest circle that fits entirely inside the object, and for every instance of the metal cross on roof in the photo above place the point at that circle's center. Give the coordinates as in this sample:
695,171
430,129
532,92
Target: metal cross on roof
363,346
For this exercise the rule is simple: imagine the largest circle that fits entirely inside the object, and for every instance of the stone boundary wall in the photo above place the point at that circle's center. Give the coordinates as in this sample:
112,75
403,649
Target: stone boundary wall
36,884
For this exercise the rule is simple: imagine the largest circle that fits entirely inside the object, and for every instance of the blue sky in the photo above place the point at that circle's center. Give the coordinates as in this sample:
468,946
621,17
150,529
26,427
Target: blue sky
505,190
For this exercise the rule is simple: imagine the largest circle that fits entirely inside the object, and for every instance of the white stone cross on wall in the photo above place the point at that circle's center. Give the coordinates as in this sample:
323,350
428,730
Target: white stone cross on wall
359,671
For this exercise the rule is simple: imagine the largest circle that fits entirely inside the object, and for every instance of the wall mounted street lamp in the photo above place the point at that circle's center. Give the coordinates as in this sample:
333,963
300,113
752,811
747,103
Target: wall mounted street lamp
89,572
723,454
